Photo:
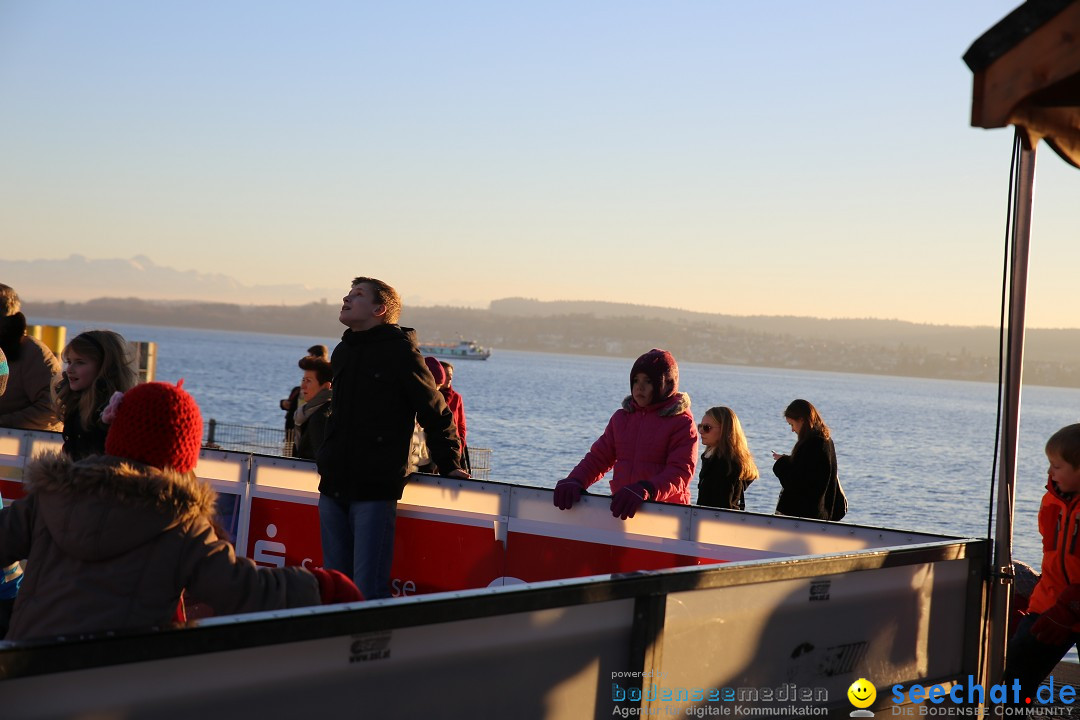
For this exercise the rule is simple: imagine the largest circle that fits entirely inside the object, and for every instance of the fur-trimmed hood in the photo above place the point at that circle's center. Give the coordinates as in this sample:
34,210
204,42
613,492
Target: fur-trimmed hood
677,403
103,506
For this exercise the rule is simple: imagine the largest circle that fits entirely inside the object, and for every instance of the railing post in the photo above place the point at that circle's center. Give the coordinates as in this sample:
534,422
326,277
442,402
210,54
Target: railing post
210,437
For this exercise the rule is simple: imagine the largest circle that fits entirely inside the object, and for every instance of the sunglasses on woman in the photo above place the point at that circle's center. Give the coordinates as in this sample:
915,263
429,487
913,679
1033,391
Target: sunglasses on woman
705,427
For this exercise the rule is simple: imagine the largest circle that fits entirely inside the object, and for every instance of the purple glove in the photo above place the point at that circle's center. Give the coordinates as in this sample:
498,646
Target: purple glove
1055,626
567,492
629,499
335,587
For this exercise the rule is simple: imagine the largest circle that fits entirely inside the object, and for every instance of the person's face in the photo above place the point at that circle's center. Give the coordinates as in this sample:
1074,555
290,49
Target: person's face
309,385
796,425
1061,472
449,376
642,390
710,431
82,370
360,310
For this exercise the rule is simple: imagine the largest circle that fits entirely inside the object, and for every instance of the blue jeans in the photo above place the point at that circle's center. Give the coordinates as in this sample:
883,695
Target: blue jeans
1029,660
358,540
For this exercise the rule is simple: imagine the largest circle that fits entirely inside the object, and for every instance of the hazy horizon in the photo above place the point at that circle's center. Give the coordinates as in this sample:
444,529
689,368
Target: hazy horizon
778,159
33,299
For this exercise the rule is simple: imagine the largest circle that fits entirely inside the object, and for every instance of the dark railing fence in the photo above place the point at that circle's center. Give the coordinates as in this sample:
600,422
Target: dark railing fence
273,441
248,438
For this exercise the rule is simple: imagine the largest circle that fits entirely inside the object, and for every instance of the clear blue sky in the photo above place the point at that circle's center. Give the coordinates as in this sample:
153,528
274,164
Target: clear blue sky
751,158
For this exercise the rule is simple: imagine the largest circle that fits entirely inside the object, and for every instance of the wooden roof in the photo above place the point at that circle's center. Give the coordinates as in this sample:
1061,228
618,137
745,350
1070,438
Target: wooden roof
1027,74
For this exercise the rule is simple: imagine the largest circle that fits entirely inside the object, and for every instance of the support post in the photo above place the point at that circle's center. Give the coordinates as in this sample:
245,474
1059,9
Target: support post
1014,365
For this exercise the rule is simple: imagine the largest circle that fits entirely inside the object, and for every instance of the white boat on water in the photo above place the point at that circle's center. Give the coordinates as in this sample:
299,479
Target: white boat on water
507,607
462,350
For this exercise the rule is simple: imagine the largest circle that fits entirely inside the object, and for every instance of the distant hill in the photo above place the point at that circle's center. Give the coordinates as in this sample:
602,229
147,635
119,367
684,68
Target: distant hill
845,329
891,347
78,278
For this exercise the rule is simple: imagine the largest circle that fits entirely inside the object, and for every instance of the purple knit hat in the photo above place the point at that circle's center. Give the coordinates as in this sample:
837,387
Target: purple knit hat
437,370
662,370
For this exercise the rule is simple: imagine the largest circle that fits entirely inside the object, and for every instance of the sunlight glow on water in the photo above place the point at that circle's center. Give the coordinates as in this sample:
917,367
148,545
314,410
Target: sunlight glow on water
913,453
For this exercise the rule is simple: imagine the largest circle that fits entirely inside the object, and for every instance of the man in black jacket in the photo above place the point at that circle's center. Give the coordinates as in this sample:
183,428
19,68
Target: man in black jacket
381,389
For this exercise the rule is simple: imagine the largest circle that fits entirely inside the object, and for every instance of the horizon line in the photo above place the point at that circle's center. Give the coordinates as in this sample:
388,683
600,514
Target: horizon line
323,301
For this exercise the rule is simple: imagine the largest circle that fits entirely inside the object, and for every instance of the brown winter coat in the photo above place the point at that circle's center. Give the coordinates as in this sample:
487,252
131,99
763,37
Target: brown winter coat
111,543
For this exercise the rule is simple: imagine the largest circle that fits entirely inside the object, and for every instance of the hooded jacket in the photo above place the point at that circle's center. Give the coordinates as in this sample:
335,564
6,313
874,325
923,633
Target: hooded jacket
382,388
33,369
657,444
110,544
1059,525
457,409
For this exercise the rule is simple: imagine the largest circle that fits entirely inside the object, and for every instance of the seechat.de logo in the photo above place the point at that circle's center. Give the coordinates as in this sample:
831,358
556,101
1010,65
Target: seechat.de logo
862,695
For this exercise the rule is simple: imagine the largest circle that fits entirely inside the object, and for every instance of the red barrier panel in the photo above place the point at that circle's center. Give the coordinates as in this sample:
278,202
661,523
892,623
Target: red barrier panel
436,556
533,558
283,533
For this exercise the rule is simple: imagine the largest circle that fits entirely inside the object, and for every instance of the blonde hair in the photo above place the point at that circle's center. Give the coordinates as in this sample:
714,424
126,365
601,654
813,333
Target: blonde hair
115,374
732,446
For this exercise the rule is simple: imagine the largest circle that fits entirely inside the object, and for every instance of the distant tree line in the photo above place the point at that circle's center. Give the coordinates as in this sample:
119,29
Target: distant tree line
886,347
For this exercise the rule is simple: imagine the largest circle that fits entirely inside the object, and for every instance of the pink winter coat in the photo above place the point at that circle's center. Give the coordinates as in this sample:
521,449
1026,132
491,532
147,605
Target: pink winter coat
657,443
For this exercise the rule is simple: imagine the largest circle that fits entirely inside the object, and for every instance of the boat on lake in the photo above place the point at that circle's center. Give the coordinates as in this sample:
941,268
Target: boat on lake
462,350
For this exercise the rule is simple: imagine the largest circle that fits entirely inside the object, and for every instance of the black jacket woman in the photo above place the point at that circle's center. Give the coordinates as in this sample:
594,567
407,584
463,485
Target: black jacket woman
808,475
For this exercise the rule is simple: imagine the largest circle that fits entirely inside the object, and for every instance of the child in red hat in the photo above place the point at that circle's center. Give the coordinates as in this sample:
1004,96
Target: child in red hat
651,442
113,540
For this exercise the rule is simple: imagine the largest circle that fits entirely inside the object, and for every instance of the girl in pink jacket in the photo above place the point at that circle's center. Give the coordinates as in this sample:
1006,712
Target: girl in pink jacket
651,441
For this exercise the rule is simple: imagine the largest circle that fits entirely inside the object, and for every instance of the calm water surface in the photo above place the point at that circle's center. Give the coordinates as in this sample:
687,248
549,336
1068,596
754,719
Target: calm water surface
913,453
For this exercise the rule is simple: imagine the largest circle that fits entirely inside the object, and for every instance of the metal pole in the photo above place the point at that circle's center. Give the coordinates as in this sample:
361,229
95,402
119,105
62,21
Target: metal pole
1014,367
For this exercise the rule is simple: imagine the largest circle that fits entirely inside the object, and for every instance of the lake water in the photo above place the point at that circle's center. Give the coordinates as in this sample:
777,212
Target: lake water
913,453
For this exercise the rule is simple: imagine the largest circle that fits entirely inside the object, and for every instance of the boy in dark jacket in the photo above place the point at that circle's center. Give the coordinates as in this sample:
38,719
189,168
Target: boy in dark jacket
381,389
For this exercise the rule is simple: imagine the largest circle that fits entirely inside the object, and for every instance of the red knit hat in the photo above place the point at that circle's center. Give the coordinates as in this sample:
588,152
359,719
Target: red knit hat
437,370
662,370
157,424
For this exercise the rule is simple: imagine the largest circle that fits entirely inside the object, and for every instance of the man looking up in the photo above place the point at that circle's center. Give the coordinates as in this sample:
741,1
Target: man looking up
381,388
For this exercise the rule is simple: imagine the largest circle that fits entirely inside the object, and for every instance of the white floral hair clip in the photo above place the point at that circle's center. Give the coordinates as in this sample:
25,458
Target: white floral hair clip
109,413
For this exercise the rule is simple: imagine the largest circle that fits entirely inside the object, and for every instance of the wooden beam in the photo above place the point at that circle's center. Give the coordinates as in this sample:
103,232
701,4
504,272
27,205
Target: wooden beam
1048,55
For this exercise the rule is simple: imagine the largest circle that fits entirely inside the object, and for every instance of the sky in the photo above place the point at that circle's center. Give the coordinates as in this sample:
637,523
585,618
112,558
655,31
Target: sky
773,158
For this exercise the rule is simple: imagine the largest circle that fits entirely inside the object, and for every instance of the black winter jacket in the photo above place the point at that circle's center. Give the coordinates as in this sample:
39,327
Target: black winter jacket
719,485
809,479
80,442
381,389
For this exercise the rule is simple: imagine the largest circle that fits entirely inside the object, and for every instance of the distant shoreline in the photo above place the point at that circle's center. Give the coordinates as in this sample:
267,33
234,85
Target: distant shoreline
873,347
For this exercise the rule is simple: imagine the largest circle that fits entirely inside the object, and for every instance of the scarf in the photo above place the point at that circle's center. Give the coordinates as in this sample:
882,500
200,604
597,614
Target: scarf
311,407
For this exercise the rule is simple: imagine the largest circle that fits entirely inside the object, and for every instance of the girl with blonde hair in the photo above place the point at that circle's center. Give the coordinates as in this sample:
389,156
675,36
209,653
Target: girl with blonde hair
98,365
727,467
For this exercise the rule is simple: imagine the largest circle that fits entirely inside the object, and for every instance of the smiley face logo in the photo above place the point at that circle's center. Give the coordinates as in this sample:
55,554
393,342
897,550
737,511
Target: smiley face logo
862,693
